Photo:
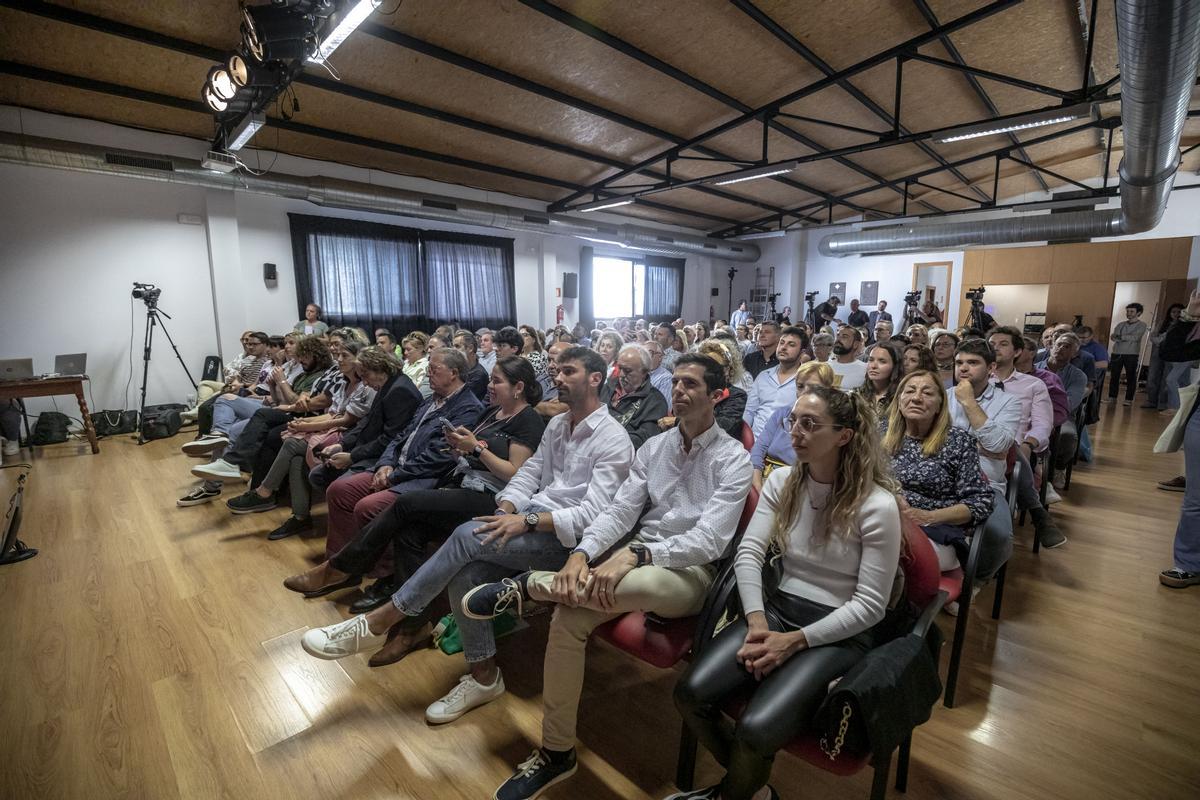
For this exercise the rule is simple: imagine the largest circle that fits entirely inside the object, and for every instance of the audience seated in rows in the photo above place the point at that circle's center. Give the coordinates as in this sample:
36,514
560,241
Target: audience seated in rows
847,345
774,448
775,386
763,357
415,347
477,378
885,367
631,398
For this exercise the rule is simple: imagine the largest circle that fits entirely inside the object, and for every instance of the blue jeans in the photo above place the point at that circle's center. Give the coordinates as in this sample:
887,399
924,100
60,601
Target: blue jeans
1179,374
464,562
231,416
1187,533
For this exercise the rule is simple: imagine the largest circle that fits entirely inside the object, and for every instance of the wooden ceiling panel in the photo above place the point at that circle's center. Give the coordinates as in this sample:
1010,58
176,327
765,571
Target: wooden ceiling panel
713,42
387,69
501,32
847,32
895,161
210,22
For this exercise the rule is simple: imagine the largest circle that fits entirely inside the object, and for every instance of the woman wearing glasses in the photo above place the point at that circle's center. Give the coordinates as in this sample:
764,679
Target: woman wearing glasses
834,518
943,489
773,449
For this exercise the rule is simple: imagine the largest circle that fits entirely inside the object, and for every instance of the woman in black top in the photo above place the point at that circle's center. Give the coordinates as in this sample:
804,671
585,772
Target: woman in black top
885,366
505,437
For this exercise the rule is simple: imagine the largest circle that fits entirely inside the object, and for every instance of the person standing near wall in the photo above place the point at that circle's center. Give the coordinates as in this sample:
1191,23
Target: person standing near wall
1126,345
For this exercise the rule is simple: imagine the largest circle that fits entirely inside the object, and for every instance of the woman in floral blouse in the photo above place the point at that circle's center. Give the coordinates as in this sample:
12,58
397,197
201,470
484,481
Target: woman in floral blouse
942,487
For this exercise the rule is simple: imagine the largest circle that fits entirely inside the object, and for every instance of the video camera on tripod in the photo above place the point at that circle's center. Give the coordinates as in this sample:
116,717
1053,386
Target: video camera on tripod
976,295
148,293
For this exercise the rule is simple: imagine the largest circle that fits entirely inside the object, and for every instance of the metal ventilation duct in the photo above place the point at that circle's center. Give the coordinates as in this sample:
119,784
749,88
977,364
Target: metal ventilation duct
1159,47
335,193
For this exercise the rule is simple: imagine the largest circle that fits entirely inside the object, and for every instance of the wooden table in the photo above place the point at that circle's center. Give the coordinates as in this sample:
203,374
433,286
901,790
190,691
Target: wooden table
49,387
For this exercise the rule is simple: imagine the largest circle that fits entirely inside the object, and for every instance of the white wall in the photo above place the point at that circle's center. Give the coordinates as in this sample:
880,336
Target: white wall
1009,303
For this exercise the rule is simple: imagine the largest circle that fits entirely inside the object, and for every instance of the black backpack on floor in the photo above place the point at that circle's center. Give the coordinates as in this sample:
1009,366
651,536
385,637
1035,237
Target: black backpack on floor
162,421
51,428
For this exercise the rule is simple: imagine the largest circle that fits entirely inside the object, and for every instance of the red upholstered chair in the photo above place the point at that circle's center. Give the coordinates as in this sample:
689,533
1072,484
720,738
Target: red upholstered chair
921,578
747,437
665,642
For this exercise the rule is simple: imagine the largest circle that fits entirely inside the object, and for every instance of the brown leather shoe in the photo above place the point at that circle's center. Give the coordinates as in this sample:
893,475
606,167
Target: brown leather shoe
402,640
321,580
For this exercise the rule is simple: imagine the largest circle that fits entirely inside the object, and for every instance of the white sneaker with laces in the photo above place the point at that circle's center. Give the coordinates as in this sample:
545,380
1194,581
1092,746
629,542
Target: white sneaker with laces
219,470
468,694
342,639
1052,496
11,447
205,444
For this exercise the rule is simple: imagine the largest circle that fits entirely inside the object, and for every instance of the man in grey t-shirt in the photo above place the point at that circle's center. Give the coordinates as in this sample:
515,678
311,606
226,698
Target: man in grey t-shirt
1125,346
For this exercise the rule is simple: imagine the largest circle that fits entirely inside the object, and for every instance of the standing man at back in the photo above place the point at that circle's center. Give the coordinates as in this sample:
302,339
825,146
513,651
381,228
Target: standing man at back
1126,345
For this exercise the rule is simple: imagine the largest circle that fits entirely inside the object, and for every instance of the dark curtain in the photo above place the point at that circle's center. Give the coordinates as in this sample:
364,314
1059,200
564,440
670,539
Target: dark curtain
586,315
664,287
362,274
372,276
469,279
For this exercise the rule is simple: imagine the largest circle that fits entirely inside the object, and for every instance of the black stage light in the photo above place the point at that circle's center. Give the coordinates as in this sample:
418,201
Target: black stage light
247,72
277,33
222,83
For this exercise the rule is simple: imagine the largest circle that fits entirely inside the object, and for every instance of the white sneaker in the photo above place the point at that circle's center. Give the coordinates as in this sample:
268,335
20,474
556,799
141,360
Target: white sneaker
205,444
342,639
468,694
219,470
1052,496
11,447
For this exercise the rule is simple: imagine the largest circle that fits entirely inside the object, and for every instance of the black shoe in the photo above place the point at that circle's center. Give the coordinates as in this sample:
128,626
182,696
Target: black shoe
290,527
490,600
536,775
249,502
374,596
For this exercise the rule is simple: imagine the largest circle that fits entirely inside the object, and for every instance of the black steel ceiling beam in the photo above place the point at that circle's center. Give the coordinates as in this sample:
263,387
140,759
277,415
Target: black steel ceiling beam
541,90
805,52
156,98
932,20
662,67
153,38
1028,86
1000,152
879,58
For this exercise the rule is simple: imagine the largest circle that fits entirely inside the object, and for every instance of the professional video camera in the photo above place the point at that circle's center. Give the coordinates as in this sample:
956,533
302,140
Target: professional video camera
911,298
976,295
148,293
810,296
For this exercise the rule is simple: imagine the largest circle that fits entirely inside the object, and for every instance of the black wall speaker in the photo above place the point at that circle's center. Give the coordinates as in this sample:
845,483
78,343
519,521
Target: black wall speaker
270,273
714,291
570,284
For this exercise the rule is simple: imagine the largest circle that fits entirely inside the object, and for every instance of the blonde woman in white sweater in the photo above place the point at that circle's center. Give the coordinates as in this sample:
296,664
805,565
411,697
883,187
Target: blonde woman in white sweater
834,518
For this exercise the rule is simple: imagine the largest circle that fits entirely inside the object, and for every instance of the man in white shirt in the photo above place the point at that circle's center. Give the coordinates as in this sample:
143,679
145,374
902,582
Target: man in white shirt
660,376
665,336
994,416
740,316
694,480
541,514
777,385
846,347
487,350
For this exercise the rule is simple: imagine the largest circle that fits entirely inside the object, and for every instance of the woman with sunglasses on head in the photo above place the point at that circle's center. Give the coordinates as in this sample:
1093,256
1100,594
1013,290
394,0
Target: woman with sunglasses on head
942,487
834,518
773,449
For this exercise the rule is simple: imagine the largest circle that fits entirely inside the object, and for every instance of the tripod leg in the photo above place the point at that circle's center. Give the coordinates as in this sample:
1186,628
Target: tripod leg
150,323
167,333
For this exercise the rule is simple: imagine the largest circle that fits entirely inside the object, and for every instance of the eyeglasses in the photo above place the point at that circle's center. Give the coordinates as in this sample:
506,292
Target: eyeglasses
807,424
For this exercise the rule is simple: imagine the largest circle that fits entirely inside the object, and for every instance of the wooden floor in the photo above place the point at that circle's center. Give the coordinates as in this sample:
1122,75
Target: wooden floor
151,652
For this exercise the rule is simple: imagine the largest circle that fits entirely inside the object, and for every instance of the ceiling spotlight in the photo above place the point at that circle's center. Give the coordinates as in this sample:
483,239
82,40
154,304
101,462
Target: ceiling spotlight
356,11
599,205
244,72
753,174
276,32
211,100
1019,122
221,82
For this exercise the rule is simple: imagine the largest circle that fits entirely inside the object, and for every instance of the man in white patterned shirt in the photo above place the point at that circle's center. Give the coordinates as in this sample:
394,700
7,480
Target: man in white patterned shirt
681,521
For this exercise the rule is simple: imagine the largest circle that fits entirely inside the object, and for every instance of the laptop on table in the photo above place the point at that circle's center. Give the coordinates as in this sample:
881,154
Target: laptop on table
16,369
71,365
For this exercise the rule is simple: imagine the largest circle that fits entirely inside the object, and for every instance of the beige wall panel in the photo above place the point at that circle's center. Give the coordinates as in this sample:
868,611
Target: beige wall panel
1093,300
1145,260
1074,263
1016,265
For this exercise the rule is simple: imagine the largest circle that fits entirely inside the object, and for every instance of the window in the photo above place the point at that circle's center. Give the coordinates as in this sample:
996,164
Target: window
370,275
648,287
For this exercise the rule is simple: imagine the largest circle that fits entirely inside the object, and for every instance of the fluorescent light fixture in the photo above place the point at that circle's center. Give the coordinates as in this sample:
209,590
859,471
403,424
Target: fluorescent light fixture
746,237
753,174
245,131
604,241
1038,119
355,12
599,205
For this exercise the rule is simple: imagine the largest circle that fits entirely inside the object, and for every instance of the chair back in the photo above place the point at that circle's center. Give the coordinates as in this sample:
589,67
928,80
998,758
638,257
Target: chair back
747,437
920,565
747,512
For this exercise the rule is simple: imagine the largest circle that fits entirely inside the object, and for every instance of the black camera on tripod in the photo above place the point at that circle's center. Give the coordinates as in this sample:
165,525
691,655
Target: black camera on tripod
810,296
976,295
148,293
911,298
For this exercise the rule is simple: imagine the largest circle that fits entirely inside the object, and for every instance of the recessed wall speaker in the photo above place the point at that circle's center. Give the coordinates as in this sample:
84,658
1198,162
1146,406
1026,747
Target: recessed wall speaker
270,273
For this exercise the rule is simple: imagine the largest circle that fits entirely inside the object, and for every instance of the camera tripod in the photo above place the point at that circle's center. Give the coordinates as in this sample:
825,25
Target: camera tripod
153,314
975,316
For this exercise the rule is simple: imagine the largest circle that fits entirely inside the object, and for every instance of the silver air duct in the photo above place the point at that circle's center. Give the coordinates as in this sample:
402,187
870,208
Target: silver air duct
335,193
1159,47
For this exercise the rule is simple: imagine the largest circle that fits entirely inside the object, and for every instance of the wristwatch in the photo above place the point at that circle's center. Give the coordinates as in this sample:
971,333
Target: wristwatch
531,521
478,449
642,552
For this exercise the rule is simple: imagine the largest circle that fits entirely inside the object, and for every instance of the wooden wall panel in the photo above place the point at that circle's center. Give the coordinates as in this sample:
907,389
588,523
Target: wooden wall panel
1087,262
1092,299
1145,260
1181,254
1016,265
972,276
